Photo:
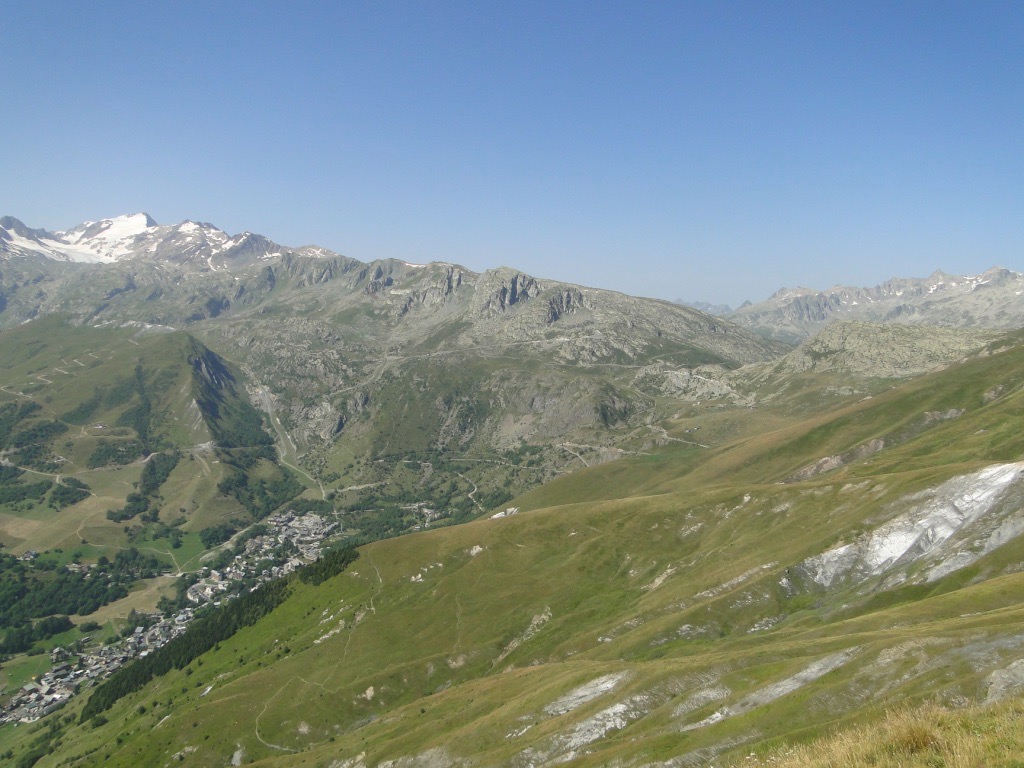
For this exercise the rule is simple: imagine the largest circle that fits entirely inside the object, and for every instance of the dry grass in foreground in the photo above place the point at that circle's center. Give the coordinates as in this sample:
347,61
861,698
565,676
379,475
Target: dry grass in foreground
931,736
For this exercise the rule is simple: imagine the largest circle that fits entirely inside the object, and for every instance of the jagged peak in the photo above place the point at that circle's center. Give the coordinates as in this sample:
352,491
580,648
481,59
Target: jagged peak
789,293
9,222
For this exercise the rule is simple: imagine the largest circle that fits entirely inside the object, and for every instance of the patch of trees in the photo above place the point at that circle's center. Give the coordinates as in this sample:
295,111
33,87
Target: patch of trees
383,523
134,504
216,534
142,501
38,433
494,498
120,393
331,564
12,414
259,496
130,564
69,491
156,471
64,592
201,636
139,390
140,415
30,591
37,456
20,639
115,452
528,454
302,506
30,443
83,412
15,492
161,530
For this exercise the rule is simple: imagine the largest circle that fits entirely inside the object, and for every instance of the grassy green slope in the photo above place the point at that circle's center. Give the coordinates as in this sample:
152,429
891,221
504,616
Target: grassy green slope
636,612
988,388
85,380
104,400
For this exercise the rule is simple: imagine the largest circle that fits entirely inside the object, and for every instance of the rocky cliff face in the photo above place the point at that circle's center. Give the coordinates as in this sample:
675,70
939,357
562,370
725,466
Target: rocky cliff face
501,289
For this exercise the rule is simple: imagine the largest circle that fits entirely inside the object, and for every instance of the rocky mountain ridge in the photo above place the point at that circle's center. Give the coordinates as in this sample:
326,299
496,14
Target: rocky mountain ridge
993,299
136,236
365,365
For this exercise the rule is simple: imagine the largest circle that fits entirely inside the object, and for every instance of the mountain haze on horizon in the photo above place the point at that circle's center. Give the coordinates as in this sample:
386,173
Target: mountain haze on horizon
790,314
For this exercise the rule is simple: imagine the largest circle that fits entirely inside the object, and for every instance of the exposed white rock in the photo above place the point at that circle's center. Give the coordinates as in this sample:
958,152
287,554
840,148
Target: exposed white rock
1004,682
536,624
702,698
936,517
777,690
732,583
584,694
660,579
613,718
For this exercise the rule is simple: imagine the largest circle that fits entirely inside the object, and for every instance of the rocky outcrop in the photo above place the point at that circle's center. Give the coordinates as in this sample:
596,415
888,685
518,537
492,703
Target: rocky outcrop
566,301
937,531
439,292
306,270
882,351
376,279
828,463
512,288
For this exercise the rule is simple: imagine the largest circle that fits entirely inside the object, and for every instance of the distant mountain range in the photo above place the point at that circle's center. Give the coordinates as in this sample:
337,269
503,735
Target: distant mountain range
137,235
705,306
993,299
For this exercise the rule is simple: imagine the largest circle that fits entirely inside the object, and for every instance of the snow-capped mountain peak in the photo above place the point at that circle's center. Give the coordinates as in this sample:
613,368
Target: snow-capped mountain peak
106,240
137,236
117,228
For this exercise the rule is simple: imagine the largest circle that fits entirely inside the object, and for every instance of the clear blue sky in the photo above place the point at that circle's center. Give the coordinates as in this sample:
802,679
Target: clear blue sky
701,150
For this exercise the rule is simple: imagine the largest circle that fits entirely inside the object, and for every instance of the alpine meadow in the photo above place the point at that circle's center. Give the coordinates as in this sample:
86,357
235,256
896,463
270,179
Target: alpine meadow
275,506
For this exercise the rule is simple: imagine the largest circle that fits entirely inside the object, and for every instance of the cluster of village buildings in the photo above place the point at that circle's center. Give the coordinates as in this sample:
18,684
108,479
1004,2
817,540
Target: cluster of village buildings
70,673
304,534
